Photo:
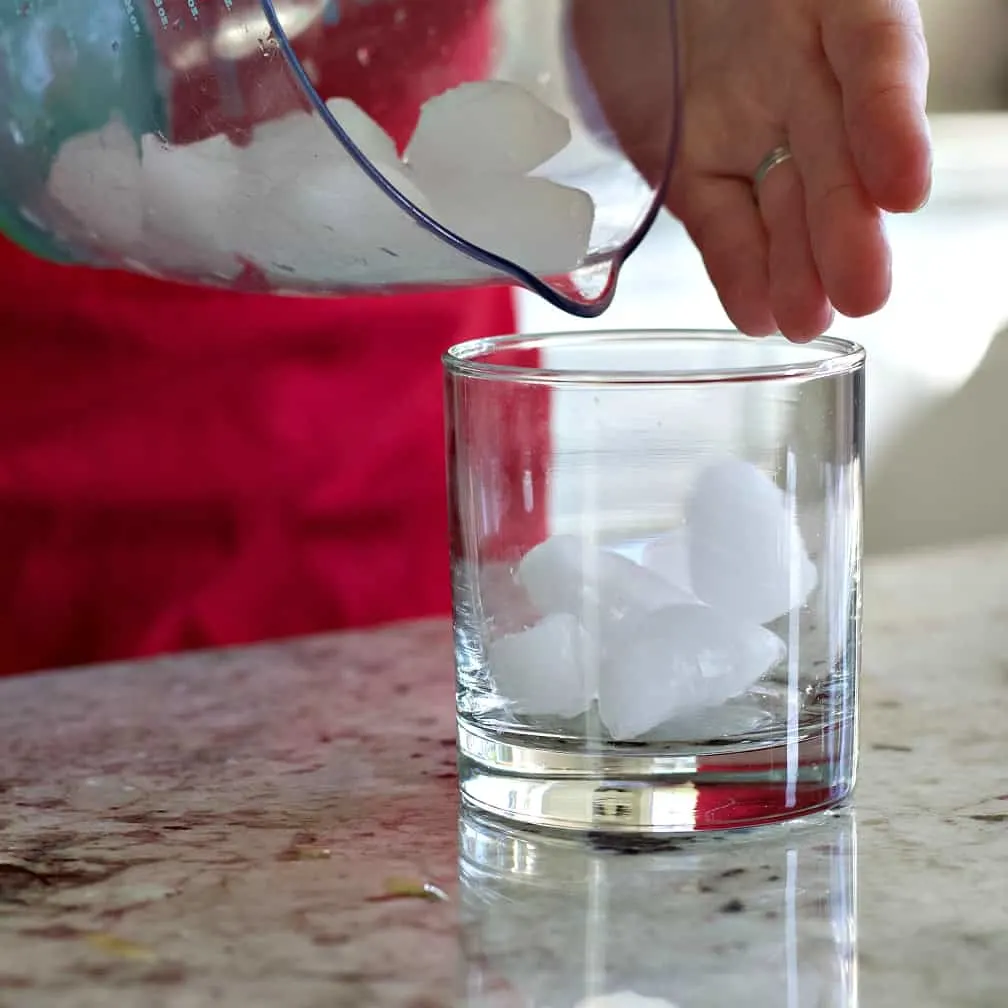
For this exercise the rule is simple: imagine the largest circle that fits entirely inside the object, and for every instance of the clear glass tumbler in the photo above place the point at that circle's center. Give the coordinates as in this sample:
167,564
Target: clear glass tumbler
656,549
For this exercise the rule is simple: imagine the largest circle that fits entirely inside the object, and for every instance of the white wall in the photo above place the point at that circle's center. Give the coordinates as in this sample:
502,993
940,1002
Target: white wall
945,480
968,40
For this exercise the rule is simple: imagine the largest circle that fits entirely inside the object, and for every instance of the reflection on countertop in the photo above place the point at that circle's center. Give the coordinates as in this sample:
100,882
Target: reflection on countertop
765,917
279,826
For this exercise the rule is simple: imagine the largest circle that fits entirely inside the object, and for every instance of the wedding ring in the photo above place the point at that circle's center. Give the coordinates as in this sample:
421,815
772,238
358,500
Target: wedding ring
776,157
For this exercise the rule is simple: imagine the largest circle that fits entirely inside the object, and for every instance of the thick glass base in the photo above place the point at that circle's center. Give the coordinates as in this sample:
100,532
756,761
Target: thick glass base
666,790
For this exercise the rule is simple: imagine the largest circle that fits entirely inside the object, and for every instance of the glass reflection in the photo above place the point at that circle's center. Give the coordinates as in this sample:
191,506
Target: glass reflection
762,918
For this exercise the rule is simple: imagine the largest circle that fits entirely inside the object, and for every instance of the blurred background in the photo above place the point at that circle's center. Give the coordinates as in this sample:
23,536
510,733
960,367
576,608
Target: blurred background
938,362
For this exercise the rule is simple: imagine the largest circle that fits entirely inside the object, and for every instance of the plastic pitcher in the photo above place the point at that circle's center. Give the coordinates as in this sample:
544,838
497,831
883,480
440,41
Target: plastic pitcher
320,146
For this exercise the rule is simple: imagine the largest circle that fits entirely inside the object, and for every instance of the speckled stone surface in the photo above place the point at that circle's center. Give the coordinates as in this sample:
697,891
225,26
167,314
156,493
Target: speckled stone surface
256,828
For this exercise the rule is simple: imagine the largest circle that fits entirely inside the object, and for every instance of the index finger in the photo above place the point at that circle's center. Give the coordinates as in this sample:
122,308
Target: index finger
879,56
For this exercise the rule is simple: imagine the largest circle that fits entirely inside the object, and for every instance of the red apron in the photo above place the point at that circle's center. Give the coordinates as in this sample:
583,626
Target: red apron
185,468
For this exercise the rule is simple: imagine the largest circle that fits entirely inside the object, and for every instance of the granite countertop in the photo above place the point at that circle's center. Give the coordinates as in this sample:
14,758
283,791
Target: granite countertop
278,826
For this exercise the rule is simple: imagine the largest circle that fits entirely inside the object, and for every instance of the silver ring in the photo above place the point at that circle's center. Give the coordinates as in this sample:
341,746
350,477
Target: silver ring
776,157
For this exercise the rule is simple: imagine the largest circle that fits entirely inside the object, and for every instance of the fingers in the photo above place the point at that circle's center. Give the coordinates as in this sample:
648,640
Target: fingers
760,257
877,51
848,242
861,144
797,295
725,225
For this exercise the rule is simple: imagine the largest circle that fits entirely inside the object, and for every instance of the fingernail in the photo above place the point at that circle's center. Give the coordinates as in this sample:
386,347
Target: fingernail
930,190
930,186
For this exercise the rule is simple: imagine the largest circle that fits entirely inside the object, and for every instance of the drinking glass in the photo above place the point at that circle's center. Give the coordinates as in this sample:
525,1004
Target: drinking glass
655,549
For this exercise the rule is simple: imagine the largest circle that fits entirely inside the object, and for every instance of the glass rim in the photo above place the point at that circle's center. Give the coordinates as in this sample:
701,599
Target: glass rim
839,357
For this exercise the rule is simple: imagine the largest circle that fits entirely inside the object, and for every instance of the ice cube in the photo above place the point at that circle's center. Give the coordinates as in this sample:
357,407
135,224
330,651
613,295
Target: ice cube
567,574
300,208
306,213
332,224
96,178
487,126
678,661
668,555
283,148
541,671
745,547
374,143
625,999
503,602
740,716
542,226
187,190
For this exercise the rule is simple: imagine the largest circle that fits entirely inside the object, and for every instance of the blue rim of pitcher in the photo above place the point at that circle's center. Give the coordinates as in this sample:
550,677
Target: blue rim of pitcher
554,296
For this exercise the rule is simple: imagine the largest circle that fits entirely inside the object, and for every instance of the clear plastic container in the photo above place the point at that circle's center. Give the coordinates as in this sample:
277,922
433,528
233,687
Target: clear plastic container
324,146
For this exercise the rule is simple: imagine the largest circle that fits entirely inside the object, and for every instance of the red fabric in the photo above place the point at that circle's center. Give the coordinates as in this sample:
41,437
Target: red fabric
184,467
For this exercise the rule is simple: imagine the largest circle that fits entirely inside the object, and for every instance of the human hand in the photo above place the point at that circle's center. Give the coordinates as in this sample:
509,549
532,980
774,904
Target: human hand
842,84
